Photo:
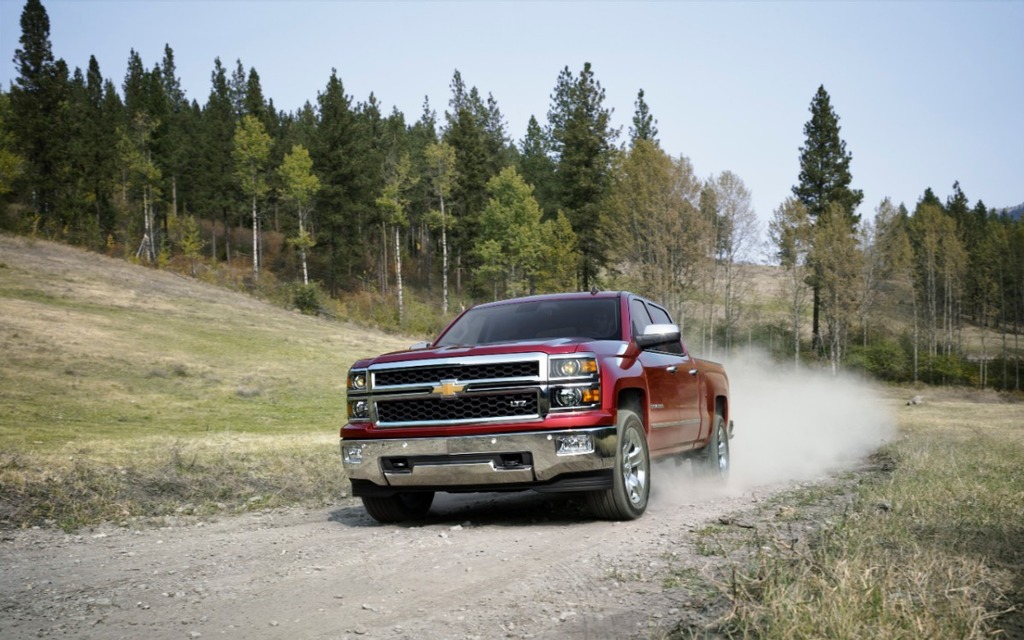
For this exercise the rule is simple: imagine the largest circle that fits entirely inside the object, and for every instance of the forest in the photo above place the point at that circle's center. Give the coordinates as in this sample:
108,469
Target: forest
341,209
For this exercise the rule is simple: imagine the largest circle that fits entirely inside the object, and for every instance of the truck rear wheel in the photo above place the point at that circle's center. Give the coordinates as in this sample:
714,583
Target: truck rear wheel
399,507
631,483
715,461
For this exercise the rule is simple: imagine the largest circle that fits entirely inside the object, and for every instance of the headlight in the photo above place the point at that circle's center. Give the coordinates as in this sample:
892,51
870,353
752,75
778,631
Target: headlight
575,397
357,381
572,367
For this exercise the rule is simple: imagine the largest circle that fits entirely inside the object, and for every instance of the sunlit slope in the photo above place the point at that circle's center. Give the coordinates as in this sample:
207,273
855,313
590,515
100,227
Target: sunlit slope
97,349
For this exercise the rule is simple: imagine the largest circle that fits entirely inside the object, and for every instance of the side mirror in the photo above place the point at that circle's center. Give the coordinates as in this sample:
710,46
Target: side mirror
419,345
655,334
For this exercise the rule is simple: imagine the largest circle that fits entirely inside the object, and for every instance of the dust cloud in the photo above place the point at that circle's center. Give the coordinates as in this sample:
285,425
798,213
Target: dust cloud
790,426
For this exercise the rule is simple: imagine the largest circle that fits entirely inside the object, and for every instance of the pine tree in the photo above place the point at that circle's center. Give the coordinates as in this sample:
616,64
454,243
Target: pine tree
217,192
417,138
511,243
237,85
11,164
345,202
644,125
92,147
537,167
582,142
253,101
38,118
134,87
173,137
476,131
374,166
560,256
825,180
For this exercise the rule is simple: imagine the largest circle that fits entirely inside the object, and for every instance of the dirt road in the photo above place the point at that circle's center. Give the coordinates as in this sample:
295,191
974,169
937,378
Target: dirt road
486,566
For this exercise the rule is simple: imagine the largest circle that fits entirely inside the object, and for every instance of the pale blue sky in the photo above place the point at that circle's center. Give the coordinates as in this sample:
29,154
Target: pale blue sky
927,92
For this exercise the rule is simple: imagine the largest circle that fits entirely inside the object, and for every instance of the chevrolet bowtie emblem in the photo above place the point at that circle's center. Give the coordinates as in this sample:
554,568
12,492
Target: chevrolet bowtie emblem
448,388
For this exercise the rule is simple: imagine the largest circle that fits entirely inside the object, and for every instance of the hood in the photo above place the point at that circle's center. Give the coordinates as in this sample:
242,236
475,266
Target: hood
550,347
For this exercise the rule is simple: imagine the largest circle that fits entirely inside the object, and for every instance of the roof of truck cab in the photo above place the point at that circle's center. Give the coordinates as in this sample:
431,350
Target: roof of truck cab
572,295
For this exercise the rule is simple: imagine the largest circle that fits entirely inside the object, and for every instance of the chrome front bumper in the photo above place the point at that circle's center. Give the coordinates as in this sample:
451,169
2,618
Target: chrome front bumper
467,461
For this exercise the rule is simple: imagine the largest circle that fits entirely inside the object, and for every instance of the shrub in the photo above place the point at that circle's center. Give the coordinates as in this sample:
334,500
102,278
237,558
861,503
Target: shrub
308,298
887,361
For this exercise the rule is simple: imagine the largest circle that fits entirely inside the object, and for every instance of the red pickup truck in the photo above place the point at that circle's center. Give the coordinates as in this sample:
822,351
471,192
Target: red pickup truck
552,393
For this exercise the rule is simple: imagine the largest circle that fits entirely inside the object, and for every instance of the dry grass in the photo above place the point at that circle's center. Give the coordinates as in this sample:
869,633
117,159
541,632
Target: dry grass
929,543
125,482
129,392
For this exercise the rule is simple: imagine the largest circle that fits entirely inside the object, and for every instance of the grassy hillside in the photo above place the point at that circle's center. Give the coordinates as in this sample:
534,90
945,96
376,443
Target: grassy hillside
153,381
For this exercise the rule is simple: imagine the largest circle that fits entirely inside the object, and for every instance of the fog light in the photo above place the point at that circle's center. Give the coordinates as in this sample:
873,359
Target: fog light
352,453
568,397
572,444
359,409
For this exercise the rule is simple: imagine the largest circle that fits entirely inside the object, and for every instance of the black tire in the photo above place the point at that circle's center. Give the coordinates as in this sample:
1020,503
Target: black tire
399,507
715,462
631,481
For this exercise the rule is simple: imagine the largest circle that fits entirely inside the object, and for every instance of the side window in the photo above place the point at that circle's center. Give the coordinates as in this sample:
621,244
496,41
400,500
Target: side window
660,316
639,316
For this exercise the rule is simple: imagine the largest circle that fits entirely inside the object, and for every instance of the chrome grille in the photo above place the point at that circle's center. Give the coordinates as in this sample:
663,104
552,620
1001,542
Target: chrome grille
461,372
477,407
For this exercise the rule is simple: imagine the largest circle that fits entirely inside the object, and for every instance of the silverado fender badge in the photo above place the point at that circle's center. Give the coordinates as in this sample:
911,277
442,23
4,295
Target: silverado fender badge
448,388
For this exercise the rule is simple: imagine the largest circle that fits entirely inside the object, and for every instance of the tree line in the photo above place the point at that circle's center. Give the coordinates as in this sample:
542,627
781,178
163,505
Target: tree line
342,197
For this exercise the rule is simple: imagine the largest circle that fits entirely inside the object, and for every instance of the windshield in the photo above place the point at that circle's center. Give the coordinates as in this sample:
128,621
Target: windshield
591,318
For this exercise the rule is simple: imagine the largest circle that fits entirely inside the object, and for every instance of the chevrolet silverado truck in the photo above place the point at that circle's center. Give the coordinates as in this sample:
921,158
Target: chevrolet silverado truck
552,393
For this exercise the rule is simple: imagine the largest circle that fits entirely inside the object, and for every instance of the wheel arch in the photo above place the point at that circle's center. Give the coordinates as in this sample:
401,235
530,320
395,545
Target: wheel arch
722,407
632,398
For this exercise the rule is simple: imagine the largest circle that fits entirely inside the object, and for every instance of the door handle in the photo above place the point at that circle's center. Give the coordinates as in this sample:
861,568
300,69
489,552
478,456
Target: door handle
672,369
693,372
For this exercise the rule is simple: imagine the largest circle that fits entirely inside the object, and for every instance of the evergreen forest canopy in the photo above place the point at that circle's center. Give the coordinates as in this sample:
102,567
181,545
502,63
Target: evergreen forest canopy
425,217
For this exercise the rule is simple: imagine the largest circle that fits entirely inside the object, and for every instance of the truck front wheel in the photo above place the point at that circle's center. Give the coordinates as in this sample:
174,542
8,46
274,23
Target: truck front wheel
399,507
631,483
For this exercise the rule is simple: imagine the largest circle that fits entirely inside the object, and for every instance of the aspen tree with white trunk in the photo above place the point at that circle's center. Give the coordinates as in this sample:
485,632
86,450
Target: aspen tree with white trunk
838,262
251,154
737,232
393,202
140,178
790,234
442,176
299,185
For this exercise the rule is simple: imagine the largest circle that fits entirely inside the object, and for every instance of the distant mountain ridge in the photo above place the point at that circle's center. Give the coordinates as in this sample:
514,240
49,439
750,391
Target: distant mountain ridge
1013,212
